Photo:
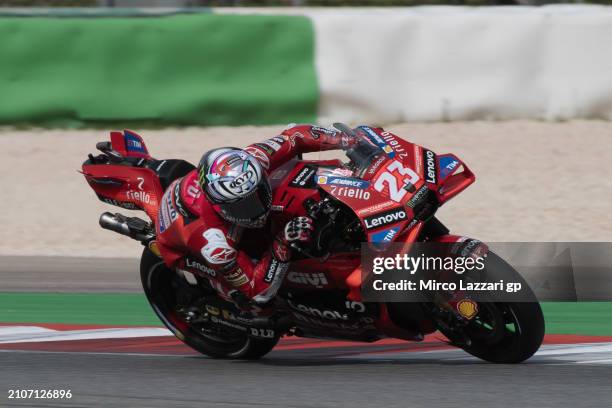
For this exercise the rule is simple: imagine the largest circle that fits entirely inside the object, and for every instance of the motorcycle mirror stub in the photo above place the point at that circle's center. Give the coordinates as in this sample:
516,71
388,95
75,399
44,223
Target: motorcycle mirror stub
107,149
345,129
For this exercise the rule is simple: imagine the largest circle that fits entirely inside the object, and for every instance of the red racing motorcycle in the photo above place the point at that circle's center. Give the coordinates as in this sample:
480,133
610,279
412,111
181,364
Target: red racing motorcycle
387,192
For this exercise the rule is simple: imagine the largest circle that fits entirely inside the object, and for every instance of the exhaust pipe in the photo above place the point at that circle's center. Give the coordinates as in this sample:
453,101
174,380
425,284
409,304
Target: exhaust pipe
113,223
132,227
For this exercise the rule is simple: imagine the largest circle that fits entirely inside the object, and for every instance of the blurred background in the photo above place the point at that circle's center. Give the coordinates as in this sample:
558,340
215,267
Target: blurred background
522,93
271,3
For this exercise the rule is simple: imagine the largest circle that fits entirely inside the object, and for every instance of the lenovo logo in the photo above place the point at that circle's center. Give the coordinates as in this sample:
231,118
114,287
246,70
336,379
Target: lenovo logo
386,218
430,167
304,178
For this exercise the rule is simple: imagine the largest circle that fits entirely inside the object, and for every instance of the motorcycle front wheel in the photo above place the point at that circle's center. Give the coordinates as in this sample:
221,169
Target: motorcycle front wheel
162,286
505,332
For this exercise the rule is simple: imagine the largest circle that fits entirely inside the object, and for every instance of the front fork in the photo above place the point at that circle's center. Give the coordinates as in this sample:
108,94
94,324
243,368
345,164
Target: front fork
454,310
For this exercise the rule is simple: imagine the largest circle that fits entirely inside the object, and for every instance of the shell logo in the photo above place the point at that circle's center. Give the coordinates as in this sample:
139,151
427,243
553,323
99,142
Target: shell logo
467,308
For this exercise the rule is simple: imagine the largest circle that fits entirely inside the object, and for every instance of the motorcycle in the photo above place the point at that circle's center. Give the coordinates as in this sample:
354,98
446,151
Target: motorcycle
320,296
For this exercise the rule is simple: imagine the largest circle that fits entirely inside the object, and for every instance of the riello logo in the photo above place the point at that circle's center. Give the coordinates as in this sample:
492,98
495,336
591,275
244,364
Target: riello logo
350,192
139,196
386,218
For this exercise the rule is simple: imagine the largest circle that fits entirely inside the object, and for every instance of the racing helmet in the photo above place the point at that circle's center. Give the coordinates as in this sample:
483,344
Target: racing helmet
236,184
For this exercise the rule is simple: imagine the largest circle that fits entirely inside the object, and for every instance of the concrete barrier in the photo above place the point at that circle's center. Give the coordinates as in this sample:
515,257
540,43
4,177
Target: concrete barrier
456,63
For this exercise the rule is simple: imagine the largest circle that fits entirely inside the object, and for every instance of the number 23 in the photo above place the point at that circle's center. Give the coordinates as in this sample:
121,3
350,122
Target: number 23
388,179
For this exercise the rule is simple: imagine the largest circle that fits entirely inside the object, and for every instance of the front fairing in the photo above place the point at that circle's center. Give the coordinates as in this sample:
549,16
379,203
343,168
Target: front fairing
399,188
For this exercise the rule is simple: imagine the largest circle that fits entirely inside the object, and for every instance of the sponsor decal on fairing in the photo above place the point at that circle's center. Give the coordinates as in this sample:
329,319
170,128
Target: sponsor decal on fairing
304,178
448,164
139,196
133,143
418,197
310,279
376,208
430,170
123,204
385,218
313,311
342,181
378,141
349,192
376,165
395,145
384,235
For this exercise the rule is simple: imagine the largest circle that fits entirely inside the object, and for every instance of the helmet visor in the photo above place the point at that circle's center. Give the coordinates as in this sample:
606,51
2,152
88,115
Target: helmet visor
252,210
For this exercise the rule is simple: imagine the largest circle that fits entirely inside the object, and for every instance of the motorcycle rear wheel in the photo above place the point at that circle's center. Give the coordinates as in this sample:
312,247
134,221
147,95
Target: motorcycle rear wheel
159,283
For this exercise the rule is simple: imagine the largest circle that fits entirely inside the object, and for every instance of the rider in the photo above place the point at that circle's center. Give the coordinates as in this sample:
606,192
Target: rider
203,214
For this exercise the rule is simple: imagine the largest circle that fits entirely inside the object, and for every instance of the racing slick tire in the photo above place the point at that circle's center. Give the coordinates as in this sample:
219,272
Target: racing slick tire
161,285
505,332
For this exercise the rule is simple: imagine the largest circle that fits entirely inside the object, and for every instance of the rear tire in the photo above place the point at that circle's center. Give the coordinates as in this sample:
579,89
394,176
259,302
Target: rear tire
161,284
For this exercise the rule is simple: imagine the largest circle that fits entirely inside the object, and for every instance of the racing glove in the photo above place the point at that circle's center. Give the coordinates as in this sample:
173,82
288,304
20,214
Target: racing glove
298,230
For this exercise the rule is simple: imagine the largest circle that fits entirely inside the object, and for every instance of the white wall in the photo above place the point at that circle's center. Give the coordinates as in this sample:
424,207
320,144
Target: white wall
451,63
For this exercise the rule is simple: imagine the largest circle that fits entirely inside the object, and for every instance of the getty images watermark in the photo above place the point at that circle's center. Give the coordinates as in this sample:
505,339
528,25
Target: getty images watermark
424,271
437,270
497,272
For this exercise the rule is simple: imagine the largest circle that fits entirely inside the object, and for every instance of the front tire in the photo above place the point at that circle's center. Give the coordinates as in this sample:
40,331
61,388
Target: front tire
162,286
517,340
504,332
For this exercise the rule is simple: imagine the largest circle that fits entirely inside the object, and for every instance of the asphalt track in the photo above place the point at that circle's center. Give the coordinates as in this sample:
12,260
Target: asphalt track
305,378
158,371
69,274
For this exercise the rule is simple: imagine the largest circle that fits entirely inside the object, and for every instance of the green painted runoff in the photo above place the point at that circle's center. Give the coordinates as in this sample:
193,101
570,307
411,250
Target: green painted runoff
588,318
